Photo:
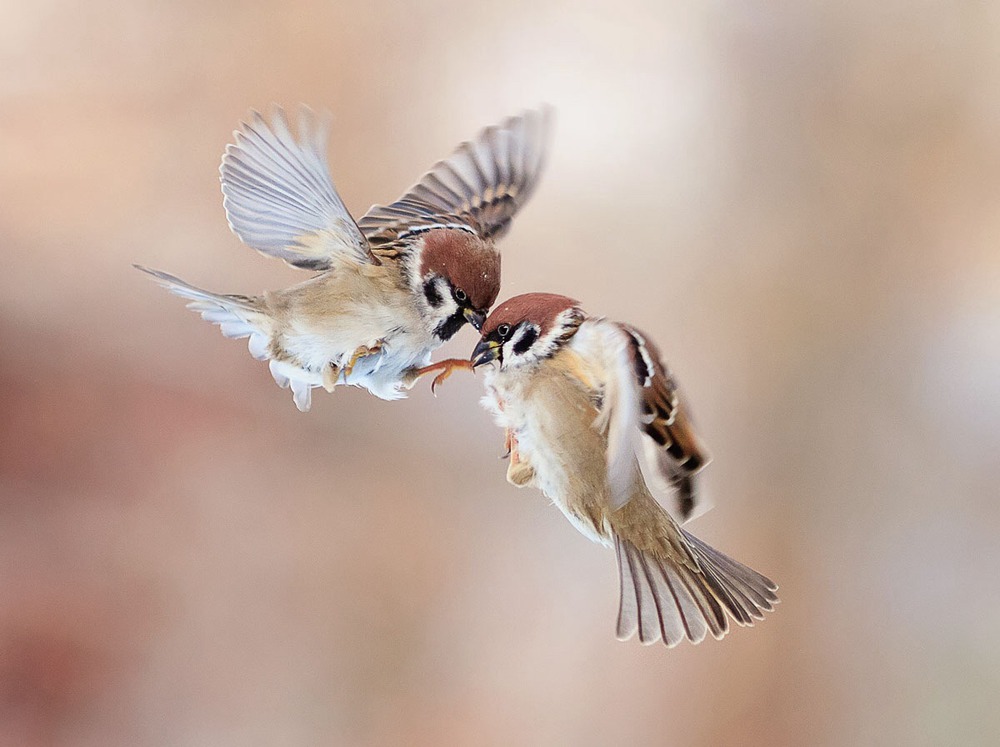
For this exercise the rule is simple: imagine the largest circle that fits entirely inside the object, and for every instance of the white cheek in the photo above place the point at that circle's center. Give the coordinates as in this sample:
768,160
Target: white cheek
514,358
448,305
509,359
446,308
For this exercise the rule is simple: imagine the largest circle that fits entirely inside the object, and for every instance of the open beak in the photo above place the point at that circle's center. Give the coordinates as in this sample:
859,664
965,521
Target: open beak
475,318
486,352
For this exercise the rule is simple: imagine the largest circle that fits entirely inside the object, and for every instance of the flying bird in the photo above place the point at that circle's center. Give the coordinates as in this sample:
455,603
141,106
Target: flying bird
393,286
587,403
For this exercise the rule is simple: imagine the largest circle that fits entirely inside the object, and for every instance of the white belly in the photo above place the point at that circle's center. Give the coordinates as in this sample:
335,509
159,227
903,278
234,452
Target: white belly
315,345
538,427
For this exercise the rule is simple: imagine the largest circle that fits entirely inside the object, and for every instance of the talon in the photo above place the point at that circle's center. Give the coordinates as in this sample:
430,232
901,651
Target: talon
508,440
358,354
440,378
446,367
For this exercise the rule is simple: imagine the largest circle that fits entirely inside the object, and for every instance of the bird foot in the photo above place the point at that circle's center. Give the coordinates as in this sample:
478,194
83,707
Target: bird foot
519,472
360,353
446,367
330,375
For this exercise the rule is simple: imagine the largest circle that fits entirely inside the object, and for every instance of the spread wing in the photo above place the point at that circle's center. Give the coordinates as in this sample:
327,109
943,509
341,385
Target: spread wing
480,187
671,446
280,199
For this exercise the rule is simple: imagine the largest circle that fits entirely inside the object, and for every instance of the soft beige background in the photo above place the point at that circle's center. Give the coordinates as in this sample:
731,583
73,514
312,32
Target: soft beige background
800,200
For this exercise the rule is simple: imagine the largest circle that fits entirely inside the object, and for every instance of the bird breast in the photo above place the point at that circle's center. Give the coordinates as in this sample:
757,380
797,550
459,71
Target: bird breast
550,411
327,318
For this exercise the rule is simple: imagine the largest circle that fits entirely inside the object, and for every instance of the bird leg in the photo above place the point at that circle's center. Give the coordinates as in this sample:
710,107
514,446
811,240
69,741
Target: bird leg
362,352
330,374
519,472
446,367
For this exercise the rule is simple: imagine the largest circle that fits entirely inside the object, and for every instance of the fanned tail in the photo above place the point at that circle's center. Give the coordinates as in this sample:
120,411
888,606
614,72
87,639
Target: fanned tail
670,599
237,316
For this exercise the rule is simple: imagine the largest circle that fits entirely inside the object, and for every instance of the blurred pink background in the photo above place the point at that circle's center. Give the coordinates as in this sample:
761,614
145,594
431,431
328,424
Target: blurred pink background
799,200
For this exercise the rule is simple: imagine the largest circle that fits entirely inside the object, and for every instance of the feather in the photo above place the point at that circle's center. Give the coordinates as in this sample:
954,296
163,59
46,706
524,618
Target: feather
301,394
237,316
280,378
605,344
258,346
628,609
672,453
236,329
669,600
479,187
279,196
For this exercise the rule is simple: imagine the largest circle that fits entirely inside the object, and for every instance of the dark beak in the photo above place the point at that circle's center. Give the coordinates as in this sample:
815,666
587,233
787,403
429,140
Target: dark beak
486,352
475,318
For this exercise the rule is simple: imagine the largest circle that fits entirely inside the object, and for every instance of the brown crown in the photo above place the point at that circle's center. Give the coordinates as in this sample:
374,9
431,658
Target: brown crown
538,308
464,259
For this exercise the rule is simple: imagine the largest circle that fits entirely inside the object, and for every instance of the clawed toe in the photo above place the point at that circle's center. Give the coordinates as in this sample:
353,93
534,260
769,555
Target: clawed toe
358,354
446,367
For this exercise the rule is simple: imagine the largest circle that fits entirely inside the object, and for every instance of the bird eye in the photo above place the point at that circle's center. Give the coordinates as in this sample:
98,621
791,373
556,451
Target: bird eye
503,330
461,296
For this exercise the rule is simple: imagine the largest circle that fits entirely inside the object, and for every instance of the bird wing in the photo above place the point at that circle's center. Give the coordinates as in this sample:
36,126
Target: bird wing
641,412
671,447
479,187
606,346
279,196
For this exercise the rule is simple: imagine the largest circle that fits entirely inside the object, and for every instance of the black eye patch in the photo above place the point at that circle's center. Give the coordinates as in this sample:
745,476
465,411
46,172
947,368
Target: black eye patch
522,345
432,293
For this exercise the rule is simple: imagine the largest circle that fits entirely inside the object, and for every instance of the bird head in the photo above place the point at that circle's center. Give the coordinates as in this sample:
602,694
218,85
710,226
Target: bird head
459,279
526,329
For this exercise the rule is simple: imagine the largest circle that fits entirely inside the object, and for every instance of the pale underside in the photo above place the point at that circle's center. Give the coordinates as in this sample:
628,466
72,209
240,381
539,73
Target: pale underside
673,586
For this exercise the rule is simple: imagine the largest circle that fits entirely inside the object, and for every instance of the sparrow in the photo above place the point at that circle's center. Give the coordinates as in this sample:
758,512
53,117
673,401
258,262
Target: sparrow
393,286
588,404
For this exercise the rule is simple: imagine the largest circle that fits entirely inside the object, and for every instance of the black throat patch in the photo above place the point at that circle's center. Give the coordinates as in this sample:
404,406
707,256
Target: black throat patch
447,329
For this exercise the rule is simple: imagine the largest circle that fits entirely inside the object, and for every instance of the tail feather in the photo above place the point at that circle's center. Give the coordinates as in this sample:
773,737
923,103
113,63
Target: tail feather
242,316
237,316
667,600
757,590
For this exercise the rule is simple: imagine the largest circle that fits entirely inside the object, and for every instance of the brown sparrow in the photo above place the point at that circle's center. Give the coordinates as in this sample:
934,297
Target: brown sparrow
587,404
392,287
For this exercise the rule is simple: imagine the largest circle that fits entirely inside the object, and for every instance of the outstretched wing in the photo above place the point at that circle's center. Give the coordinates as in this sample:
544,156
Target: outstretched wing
479,187
279,197
672,447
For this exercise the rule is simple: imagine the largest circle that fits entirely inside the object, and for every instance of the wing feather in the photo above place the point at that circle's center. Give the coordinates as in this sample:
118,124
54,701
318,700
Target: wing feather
642,413
607,344
479,187
670,446
279,197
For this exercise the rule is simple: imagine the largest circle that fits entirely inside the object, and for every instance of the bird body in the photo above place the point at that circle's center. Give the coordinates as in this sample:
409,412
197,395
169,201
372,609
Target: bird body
392,287
569,391
309,331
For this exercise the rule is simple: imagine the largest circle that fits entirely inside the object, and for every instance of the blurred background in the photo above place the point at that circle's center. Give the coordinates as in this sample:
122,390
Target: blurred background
799,200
